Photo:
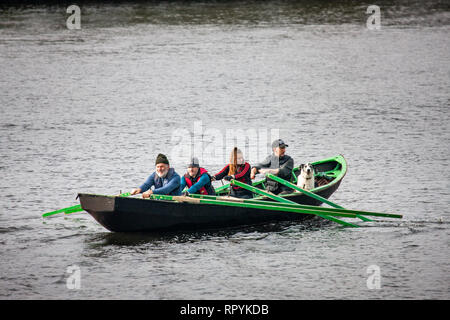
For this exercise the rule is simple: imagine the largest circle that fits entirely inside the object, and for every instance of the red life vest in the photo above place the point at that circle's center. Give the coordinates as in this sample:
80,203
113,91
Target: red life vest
190,183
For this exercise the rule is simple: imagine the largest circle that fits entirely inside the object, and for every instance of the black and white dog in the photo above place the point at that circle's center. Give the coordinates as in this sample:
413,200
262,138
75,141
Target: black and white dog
306,177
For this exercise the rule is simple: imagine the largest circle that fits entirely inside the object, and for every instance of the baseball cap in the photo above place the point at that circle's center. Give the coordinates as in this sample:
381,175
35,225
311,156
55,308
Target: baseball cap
279,143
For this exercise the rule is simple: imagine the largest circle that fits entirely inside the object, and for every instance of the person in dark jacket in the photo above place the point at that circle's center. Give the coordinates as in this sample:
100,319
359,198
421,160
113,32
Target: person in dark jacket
239,170
197,179
279,164
163,181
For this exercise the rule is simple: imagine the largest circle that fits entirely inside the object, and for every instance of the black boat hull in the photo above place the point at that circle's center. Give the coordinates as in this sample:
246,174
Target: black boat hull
121,214
127,214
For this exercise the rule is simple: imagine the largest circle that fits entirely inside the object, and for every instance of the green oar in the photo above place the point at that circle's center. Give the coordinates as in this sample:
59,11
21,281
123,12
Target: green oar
272,206
71,209
222,188
289,206
280,199
296,205
312,195
76,208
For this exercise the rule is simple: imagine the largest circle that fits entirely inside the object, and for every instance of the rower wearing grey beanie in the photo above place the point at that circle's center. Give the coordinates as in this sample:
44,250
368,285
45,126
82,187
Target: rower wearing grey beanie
197,179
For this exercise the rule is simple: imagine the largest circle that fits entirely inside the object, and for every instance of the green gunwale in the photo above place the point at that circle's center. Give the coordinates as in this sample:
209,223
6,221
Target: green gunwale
337,173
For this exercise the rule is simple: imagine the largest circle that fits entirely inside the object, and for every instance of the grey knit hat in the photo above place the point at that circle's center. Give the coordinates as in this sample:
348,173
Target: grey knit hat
194,163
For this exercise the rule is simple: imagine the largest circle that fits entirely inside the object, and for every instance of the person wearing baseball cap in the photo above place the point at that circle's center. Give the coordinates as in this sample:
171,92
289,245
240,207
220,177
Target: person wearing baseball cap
278,143
239,170
279,164
163,181
197,179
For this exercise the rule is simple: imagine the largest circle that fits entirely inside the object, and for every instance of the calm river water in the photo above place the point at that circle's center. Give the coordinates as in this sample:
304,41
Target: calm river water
88,110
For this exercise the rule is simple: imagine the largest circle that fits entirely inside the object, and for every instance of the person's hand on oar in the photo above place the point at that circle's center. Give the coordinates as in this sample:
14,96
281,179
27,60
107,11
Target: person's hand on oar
147,194
228,178
253,173
271,171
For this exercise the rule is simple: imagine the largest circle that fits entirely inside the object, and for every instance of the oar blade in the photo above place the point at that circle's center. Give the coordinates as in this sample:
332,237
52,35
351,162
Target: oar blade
73,210
76,207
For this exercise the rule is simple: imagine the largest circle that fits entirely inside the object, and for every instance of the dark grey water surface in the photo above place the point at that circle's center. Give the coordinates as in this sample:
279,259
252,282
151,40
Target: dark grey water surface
88,110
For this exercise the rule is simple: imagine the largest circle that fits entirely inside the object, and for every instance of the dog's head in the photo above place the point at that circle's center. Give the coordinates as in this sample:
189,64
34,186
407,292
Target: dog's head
307,170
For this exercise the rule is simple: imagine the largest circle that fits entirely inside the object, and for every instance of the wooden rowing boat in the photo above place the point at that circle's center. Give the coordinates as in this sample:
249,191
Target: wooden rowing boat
163,213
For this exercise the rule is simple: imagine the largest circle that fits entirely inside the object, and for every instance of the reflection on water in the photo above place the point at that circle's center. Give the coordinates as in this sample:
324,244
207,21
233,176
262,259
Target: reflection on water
253,232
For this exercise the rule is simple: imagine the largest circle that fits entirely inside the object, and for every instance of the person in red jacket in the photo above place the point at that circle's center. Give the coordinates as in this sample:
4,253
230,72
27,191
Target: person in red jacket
239,170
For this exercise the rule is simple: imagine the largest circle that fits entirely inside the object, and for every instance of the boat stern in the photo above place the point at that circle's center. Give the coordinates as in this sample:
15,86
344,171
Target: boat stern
96,203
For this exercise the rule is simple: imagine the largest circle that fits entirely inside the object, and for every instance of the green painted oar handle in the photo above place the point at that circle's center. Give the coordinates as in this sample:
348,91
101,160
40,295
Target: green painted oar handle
260,191
312,195
255,200
283,200
295,187
69,209
268,205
